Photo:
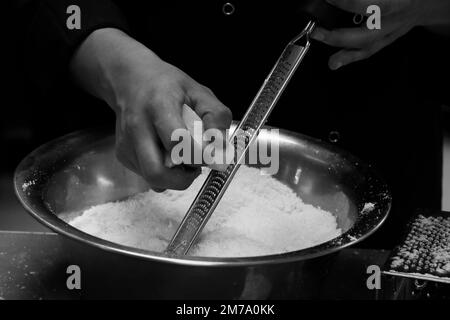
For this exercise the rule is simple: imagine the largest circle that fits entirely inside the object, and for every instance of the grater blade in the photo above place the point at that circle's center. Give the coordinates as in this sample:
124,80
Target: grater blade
246,132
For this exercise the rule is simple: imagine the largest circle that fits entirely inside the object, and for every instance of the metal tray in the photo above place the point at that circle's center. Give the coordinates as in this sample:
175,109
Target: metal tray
424,253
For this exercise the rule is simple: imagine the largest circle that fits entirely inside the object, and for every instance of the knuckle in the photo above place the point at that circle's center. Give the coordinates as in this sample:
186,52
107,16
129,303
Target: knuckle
220,116
169,81
208,90
165,81
166,98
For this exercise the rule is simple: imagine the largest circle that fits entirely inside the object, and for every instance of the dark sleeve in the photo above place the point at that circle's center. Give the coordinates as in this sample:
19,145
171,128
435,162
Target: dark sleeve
46,44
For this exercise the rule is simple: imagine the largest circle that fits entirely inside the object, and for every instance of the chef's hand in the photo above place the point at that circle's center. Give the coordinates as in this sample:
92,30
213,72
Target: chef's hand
397,18
147,95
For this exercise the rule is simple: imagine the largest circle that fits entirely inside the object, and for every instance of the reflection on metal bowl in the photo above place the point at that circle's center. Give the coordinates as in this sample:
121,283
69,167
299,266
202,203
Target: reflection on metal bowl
79,170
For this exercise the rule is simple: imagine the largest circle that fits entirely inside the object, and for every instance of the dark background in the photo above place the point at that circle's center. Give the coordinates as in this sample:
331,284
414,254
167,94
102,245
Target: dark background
415,66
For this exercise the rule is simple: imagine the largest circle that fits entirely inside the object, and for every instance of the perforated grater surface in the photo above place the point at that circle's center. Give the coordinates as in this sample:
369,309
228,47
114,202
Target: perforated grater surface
425,252
246,132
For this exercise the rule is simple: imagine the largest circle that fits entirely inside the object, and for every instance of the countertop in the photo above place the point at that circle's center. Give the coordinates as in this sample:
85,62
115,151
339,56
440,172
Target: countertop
33,266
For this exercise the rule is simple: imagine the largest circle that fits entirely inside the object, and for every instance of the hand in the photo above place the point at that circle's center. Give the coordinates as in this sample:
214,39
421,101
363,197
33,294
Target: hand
147,95
397,18
151,98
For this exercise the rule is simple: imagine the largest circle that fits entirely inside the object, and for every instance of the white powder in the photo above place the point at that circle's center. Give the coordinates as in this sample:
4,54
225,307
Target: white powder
258,215
368,207
27,184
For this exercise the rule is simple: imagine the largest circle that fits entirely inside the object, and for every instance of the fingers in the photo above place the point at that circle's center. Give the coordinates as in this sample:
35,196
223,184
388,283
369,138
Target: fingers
355,6
360,6
150,118
150,161
347,37
361,42
347,56
166,117
124,152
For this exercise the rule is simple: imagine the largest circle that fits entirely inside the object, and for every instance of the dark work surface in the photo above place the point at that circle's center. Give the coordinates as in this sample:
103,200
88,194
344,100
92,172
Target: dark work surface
33,266
13,217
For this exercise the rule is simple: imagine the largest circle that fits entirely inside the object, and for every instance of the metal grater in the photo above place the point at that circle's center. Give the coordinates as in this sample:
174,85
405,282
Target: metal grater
425,252
246,132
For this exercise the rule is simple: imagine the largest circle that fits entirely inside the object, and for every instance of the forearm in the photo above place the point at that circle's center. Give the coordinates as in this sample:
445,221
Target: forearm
103,59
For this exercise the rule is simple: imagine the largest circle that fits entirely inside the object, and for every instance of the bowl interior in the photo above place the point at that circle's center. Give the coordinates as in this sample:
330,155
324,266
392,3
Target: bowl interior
70,174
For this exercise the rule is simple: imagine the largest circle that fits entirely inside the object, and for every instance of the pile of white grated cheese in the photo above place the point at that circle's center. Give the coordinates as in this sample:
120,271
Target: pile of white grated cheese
258,215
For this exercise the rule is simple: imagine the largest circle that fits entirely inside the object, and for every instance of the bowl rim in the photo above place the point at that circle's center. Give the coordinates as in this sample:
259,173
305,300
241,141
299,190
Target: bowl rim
50,219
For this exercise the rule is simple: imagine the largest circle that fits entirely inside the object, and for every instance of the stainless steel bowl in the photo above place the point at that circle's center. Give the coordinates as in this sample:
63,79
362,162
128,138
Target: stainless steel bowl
79,170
